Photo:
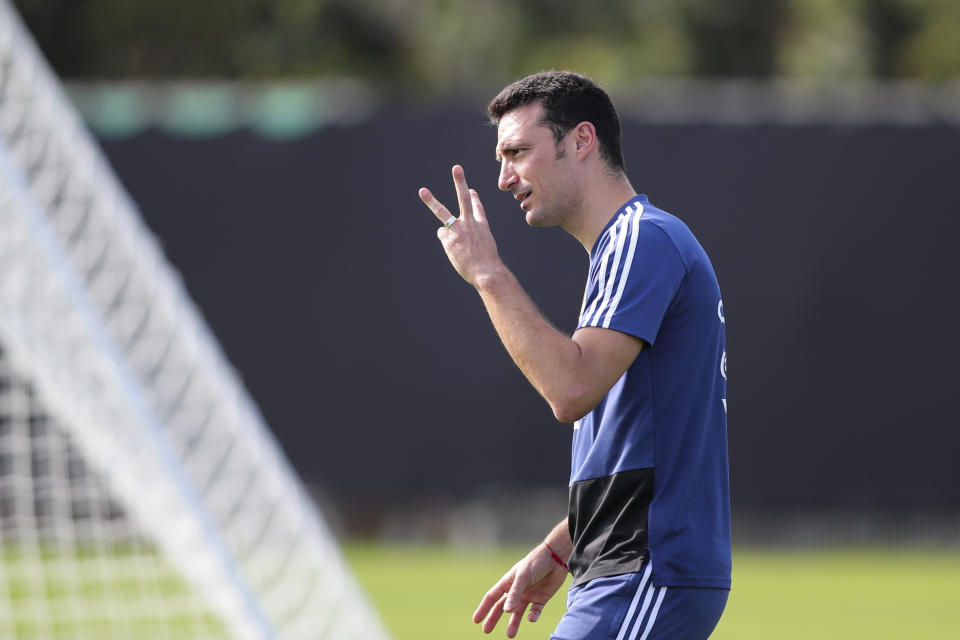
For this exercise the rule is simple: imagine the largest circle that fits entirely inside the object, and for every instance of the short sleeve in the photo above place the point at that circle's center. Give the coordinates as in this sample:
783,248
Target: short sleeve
633,279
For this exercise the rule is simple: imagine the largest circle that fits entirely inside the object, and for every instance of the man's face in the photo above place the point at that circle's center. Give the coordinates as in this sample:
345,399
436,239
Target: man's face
532,166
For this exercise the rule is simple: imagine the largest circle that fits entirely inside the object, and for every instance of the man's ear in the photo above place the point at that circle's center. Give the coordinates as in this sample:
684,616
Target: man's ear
585,136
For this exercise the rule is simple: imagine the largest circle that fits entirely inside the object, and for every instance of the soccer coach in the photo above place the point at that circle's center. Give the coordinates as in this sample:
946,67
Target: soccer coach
642,379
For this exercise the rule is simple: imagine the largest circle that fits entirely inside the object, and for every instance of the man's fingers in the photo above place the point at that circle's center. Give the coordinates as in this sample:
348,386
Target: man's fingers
486,604
535,610
497,593
516,617
463,193
442,213
478,213
515,596
495,614
467,198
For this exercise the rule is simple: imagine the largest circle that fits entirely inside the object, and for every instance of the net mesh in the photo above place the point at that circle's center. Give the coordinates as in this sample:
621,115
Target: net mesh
74,564
141,494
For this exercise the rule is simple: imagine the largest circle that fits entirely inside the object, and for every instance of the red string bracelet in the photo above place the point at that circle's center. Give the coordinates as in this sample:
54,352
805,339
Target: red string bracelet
553,554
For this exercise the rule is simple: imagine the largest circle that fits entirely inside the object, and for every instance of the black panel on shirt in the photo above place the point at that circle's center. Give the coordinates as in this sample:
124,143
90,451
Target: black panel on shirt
608,524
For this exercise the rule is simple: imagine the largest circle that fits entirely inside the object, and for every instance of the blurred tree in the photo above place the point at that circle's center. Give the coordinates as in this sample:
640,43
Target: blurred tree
120,39
455,45
825,39
159,39
735,38
616,41
930,51
448,46
892,23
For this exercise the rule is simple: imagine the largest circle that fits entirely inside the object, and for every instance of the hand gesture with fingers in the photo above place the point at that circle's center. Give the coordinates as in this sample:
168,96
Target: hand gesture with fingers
466,239
531,582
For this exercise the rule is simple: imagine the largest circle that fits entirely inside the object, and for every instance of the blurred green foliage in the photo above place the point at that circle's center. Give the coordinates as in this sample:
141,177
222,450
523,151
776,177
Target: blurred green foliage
448,46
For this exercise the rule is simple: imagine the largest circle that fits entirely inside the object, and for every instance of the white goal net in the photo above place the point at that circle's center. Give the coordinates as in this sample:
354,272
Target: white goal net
141,494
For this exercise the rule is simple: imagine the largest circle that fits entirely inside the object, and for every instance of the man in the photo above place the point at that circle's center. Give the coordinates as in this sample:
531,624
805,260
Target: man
642,379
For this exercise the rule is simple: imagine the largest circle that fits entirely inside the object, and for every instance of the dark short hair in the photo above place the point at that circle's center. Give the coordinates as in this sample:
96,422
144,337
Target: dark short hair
567,99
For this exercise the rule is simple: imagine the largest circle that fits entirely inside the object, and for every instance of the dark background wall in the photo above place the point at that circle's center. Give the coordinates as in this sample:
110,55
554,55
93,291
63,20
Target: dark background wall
320,273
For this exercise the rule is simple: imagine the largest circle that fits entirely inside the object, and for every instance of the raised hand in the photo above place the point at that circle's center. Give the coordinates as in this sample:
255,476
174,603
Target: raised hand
467,239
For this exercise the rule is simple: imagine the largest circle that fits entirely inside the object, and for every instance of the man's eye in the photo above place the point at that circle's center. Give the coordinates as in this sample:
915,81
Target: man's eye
512,153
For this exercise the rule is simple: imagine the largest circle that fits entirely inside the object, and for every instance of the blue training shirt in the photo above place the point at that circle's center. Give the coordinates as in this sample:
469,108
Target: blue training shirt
649,470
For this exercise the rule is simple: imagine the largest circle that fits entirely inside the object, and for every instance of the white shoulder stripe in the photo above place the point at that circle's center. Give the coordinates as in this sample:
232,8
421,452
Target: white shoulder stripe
626,266
623,228
618,234
601,277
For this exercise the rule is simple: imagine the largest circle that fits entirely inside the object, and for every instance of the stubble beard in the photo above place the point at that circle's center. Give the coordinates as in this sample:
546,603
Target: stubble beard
550,216
562,207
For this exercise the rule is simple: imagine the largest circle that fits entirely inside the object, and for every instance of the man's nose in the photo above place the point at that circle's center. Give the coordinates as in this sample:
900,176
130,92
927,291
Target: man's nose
507,176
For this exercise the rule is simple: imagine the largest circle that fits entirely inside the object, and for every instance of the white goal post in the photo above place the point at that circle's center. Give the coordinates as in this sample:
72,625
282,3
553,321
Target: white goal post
141,493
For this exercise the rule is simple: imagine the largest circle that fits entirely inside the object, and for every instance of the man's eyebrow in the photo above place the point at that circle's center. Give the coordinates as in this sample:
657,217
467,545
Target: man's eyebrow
506,145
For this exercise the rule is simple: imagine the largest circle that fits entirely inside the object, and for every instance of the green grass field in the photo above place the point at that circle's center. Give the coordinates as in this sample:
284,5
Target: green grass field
427,593
108,593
